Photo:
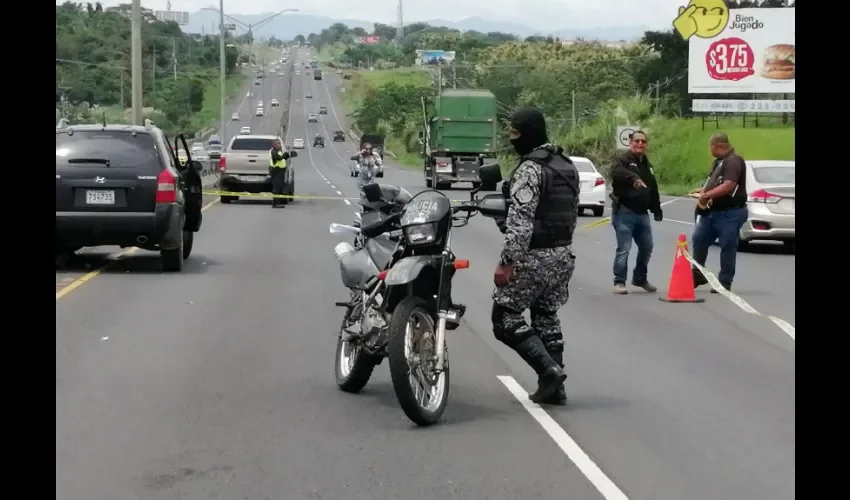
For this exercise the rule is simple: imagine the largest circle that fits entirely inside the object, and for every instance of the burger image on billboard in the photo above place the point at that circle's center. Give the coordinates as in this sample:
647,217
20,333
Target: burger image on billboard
779,62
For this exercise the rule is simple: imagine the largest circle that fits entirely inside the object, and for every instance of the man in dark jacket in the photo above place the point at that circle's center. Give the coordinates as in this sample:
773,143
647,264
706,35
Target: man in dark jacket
278,173
635,192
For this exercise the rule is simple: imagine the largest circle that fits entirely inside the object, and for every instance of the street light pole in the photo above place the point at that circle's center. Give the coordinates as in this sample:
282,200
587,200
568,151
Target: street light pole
222,69
136,60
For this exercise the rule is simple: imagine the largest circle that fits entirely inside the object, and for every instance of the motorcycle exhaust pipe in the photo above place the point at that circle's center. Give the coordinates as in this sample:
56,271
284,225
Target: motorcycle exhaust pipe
142,239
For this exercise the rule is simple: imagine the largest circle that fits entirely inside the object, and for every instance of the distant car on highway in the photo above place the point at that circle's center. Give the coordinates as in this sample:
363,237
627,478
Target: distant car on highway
298,144
771,202
275,103
339,136
245,131
244,167
257,82
308,95
214,151
260,104
323,110
312,118
259,111
235,117
593,190
123,185
297,72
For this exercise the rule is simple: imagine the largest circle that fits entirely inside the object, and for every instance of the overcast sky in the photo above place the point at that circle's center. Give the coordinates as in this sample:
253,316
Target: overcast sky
542,14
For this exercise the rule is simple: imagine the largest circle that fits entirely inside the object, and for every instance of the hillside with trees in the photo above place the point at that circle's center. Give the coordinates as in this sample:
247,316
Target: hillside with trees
93,65
585,88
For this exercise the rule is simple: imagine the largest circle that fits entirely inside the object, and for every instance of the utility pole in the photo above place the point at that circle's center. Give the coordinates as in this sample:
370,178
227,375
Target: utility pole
136,57
153,71
222,69
123,107
174,56
657,97
573,97
439,80
454,76
399,32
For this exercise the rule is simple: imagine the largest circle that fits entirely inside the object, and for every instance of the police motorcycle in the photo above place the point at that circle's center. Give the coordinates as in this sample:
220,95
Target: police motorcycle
400,302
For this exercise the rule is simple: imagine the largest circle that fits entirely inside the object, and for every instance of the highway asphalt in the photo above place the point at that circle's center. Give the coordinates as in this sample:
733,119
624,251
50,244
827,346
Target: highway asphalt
218,382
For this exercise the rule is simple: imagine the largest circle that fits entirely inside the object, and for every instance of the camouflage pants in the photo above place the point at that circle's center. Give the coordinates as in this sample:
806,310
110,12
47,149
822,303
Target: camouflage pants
366,176
540,283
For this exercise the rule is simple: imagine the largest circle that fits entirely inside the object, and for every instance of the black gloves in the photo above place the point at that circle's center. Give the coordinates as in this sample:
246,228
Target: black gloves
659,215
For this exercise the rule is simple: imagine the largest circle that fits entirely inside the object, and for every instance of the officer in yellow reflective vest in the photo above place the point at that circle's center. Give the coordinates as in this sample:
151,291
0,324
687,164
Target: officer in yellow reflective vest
278,173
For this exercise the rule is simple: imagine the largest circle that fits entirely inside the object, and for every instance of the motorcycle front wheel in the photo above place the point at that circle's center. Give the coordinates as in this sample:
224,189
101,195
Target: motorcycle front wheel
353,367
422,393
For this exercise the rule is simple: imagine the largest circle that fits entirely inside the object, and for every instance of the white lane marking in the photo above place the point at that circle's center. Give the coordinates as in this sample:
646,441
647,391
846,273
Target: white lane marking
665,203
679,221
742,304
347,202
339,193
603,484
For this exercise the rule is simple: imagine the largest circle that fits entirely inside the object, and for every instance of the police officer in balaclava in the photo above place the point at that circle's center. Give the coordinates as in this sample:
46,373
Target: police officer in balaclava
537,261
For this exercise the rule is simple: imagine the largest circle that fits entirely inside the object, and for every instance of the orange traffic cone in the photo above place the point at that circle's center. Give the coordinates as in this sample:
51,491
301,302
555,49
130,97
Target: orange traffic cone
681,288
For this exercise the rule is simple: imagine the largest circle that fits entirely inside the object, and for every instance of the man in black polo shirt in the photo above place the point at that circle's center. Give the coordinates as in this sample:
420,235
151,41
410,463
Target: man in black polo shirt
723,209
634,193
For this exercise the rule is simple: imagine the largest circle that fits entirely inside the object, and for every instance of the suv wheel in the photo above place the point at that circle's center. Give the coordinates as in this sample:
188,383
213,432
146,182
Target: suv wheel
172,260
188,241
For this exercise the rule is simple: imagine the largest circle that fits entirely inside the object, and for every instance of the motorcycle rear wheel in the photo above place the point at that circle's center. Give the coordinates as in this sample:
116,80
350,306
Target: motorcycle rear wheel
422,394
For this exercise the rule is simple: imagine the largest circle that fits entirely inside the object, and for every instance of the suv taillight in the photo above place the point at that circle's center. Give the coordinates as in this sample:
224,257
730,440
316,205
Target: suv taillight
166,187
222,163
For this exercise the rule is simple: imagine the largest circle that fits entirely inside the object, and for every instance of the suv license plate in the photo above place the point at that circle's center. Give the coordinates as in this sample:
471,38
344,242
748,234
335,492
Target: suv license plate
251,178
100,197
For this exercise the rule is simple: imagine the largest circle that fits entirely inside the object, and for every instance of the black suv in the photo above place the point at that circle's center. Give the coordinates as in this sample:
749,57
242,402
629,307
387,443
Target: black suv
339,136
124,185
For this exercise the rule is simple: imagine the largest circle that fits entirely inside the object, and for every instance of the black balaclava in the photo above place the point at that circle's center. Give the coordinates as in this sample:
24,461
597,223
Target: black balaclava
532,128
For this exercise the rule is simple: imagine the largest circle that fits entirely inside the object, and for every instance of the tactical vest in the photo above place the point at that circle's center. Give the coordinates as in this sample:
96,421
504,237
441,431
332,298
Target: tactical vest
557,212
278,164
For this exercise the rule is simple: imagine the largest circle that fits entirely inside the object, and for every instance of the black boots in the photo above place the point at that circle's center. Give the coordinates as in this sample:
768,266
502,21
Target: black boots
559,397
550,375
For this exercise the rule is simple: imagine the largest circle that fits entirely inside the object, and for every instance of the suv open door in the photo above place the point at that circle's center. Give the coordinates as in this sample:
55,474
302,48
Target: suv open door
190,177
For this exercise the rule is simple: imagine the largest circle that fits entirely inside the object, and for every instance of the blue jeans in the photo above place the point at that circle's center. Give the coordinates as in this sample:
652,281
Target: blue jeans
723,225
627,226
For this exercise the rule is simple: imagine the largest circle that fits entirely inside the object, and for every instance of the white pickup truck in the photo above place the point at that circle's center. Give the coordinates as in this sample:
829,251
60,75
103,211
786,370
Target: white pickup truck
244,166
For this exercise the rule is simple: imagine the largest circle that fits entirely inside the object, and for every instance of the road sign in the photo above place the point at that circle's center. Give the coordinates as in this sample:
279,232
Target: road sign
624,133
231,26
181,18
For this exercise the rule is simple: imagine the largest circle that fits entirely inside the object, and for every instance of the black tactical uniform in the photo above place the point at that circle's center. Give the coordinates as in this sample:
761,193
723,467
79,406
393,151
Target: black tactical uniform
539,228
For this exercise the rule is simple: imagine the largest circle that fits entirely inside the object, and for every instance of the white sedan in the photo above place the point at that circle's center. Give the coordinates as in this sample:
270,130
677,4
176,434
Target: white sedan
235,117
259,111
275,103
298,144
593,190
245,131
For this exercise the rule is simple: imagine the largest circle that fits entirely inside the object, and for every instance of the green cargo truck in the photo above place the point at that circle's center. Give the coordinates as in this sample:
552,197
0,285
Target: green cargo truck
458,138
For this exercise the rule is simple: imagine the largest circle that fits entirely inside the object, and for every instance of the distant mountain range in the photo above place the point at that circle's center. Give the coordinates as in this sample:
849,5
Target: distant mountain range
287,26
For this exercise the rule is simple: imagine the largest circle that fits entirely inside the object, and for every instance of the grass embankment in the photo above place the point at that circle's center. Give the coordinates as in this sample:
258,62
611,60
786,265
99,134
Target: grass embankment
330,52
362,81
206,118
678,147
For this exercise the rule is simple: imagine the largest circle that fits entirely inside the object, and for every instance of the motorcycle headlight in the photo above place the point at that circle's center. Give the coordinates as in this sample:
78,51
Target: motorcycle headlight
421,234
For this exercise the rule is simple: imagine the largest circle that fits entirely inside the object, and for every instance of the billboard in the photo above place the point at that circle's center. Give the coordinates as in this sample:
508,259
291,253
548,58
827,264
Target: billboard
738,51
368,40
181,18
434,57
